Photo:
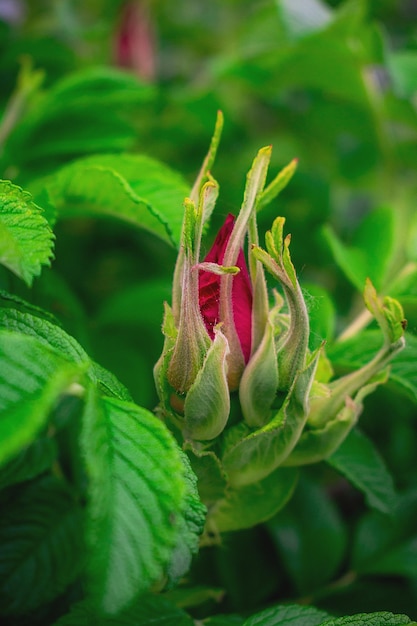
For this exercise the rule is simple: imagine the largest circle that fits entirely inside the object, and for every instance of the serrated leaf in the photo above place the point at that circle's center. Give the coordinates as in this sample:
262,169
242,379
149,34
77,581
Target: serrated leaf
107,383
26,240
147,611
11,301
359,461
56,338
41,545
32,378
134,188
288,615
191,526
382,618
250,505
32,461
136,495
45,332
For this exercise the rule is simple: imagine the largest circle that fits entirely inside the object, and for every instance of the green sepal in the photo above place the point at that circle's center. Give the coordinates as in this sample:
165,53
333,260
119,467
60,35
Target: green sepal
252,504
253,457
204,173
292,347
163,388
255,181
207,403
259,383
317,444
279,183
388,313
389,316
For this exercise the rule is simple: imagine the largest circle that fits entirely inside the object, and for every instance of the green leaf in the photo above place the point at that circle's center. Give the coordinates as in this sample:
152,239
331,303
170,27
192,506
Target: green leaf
26,240
107,383
381,618
137,497
359,461
41,545
56,338
288,615
32,378
211,476
149,610
312,553
134,188
252,504
11,301
32,461
87,111
387,545
45,332
371,252
191,526
355,352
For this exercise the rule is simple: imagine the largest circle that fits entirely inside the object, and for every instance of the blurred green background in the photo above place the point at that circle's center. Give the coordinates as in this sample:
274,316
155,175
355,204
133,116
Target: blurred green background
332,83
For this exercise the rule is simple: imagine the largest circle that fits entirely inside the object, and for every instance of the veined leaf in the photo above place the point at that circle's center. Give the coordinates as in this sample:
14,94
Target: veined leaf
148,611
133,188
359,461
32,377
56,338
191,526
26,240
288,615
137,497
29,463
45,332
382,618
41,545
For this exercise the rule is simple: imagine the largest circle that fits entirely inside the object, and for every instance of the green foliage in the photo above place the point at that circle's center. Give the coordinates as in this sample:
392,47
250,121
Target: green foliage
134,188
26,239
133,529
41,545
292,515
359,461
149,611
